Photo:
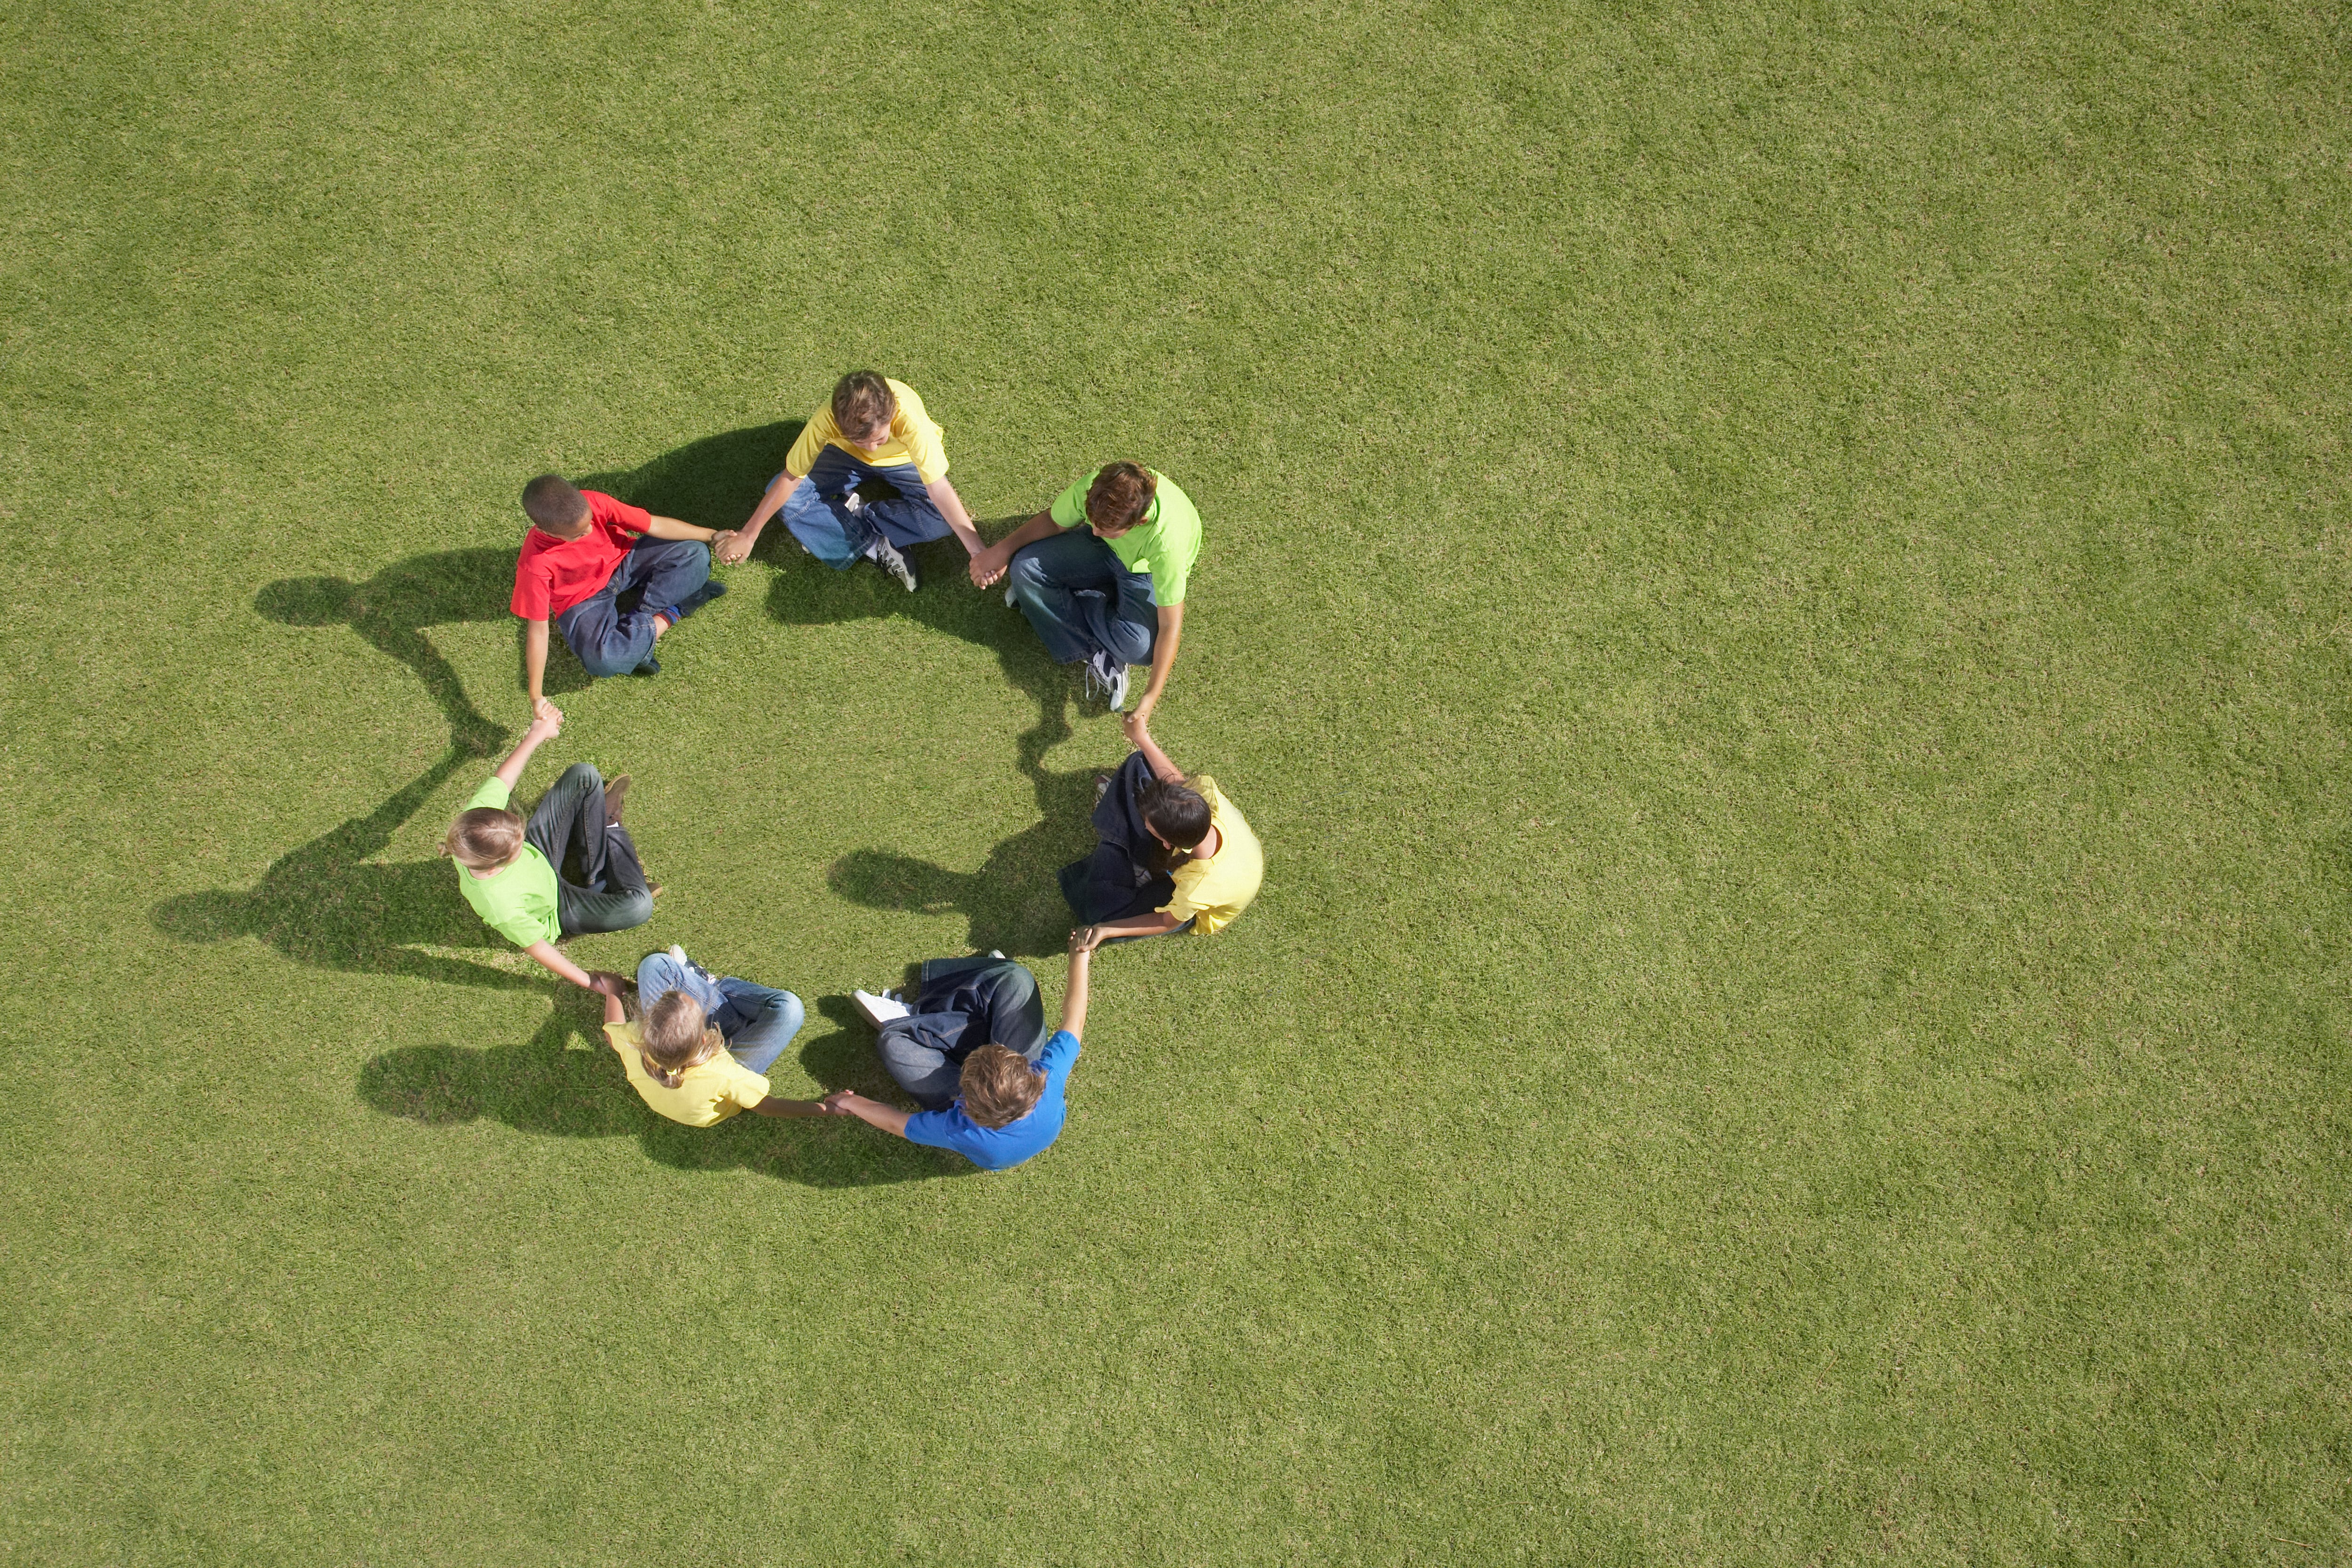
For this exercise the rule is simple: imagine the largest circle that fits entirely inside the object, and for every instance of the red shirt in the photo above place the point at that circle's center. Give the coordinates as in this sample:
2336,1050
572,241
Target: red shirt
553,575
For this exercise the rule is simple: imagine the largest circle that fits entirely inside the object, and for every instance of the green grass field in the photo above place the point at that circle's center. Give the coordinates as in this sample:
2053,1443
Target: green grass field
1777,588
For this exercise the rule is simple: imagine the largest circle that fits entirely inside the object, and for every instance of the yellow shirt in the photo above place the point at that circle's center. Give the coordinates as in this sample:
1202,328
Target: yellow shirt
707,1094
914,438
1212,892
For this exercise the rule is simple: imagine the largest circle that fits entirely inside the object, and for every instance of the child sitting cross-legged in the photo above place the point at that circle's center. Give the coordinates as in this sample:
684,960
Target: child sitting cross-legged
509,869
699,1053
996,1104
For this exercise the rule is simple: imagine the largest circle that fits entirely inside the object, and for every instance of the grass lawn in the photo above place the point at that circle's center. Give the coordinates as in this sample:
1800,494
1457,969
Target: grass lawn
1776,588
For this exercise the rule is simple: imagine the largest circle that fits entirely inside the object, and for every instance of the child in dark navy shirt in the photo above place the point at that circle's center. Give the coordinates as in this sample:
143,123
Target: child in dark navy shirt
1007,1111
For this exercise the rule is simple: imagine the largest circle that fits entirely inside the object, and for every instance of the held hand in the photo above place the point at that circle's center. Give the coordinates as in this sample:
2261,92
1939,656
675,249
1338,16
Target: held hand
986,570
838,1102
1085,940
728,547
1131,725
604,983
546,720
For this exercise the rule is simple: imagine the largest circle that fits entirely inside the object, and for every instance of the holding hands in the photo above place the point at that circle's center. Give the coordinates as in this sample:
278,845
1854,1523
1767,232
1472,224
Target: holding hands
728,546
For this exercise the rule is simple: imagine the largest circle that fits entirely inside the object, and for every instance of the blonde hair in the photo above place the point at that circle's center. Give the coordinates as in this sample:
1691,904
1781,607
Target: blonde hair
999,1085
675,1034
484,838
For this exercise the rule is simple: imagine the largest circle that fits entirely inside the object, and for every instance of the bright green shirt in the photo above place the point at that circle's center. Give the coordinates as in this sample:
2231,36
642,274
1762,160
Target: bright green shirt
518,901
1165,543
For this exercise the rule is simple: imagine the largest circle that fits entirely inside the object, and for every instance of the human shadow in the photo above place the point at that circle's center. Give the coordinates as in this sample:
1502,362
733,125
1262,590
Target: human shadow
566,1083
326,904
711,483
392,609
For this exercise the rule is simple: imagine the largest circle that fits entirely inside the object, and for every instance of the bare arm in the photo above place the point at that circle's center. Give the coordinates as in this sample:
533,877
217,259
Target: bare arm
606,985
944,496
1073,995
873,1112
772,501
1153,924
534,666
1163,658
771,1106
545,724
990,563
1162,769
671,528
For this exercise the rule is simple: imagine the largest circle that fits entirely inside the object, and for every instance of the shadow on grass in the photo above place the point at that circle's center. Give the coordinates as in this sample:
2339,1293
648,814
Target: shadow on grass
327,904
392,610
1010,900
554,1088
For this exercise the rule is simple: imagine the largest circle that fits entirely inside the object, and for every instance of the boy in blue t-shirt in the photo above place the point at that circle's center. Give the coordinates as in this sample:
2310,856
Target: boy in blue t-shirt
1008,1110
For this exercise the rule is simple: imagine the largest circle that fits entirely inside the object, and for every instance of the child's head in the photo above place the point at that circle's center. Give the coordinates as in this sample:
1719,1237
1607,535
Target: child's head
999,1085
484,838
555,506
1118,498
677,1035
1177,813
863,408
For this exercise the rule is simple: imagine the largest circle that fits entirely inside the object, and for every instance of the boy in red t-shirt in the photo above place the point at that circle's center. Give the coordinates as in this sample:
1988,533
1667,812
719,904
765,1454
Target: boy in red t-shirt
584,552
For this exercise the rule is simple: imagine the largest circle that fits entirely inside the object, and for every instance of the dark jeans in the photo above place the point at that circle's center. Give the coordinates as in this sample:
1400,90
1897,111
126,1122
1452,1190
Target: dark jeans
661,571
962,1004
1127,873
895,506
612,894
1082,600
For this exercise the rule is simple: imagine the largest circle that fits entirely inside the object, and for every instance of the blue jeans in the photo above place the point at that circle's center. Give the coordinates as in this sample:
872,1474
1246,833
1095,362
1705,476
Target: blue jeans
838,536
663,570
757,1021
1082,600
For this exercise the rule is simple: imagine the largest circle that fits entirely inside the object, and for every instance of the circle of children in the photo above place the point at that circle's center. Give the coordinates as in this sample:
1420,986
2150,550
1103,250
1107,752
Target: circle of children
1100,574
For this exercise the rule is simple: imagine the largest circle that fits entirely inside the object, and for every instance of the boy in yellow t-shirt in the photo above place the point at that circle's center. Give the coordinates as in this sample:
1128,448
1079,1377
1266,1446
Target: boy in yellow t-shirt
866,480
1175,853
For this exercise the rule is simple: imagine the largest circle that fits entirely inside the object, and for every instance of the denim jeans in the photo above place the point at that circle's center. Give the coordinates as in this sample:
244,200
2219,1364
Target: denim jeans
1082,600
962,1004
818,517
662,572
570,816
758,1021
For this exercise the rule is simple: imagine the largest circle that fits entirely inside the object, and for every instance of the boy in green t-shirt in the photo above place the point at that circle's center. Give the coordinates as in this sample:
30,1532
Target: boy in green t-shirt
1101,575
507,868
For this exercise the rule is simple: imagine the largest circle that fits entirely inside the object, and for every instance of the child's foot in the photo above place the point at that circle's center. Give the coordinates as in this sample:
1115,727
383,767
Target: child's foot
648,665
615,791
878,1010
887,555
711,590
1102,788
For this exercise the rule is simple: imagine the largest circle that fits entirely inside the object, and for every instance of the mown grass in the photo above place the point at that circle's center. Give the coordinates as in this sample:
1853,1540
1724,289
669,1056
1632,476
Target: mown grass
1776,589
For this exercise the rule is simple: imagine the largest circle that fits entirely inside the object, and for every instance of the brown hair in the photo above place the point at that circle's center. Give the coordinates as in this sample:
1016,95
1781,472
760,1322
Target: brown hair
1120,495
861,400
554,503
484,838
675,1034
999,1085
1177,812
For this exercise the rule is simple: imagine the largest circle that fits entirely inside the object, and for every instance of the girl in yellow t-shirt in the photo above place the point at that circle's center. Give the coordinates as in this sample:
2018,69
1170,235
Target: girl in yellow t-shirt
699,1053
1167,841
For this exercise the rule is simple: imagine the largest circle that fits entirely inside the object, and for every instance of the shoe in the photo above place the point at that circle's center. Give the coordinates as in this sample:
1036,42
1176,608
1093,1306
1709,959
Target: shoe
1102,788
1110,676
885,556
1010,602
994,952
711,590
879,1010
648,665
615,791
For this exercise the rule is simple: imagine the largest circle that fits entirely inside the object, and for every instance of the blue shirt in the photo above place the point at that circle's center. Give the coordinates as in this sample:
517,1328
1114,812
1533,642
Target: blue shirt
997,1148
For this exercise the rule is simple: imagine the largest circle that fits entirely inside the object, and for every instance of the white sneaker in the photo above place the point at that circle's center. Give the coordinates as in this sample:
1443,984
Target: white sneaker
879,1010
993,952
885,556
